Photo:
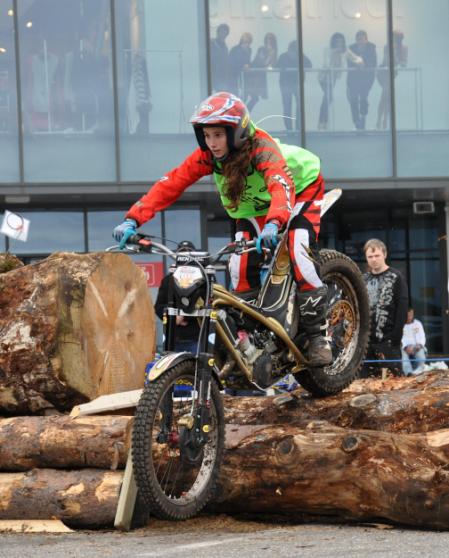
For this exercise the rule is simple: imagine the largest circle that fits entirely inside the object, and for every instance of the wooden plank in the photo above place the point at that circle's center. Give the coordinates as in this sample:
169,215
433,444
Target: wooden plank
128,492
127,498
107,403
33,526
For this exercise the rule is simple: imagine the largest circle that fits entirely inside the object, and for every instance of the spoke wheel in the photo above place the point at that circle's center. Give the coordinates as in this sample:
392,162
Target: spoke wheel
176,467
348,325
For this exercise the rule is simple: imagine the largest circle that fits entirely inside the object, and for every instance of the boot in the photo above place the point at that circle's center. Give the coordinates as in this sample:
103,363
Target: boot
312,307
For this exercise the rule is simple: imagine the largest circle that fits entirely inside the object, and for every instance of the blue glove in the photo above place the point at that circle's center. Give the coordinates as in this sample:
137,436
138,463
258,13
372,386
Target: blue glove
268,236
124,231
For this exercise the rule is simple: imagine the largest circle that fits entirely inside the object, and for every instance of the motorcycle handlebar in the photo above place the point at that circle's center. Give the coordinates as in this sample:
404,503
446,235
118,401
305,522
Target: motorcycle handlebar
145,243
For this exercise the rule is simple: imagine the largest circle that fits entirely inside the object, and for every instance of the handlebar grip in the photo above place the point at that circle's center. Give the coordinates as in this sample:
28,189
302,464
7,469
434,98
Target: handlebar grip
134,239
141,240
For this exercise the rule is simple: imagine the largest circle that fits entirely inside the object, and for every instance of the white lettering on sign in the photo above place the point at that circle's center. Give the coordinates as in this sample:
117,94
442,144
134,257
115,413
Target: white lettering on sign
312,9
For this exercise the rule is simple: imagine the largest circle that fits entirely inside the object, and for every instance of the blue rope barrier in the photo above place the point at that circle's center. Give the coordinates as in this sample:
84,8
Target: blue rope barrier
442,359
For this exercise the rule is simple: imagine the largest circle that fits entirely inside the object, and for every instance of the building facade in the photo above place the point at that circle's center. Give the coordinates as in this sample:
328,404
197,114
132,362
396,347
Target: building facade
95,99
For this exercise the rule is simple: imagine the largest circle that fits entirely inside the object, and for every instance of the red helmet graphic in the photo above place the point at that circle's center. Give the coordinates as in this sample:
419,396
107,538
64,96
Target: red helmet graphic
222,109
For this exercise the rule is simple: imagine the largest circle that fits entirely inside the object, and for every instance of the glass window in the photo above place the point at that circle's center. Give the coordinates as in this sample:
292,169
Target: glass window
254,53
161,77
421,87
183,224
100,225
67,90
9,161
51,231
359,226
346,99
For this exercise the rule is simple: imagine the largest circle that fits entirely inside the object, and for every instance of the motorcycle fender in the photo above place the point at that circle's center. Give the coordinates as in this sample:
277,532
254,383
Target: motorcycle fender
166,363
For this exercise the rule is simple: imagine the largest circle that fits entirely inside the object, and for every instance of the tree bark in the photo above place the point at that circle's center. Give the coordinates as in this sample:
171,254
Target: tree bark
329,471
80,498
403,405
72,327
64,442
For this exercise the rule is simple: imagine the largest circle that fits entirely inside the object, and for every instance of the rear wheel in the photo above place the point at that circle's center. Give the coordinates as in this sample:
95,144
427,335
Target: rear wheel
175,468
348,325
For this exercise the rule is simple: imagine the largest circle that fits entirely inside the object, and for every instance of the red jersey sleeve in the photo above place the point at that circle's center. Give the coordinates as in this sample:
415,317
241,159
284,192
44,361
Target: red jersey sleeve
168,188
278,178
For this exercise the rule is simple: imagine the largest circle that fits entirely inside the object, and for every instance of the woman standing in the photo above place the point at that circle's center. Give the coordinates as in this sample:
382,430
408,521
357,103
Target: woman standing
336,56
256,79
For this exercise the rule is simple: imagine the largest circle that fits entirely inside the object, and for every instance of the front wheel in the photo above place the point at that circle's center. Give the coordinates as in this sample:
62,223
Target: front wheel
348,325
176,466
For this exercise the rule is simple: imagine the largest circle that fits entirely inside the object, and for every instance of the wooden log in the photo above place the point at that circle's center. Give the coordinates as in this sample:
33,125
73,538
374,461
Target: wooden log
296,465
323,470
64,442
80,498
72,327
407,405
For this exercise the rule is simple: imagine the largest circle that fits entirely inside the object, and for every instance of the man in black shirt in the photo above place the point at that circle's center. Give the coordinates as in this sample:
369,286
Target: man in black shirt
388,300
188,329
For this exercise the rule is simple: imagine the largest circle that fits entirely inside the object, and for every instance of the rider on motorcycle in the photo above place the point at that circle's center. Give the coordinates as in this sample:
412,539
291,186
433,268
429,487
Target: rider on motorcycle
267,187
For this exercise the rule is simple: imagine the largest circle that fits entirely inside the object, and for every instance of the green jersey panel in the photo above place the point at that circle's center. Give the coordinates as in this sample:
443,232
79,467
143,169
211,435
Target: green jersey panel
255,201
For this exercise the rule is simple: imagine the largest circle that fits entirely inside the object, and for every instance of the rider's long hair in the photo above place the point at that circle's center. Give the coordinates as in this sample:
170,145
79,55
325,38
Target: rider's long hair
235,171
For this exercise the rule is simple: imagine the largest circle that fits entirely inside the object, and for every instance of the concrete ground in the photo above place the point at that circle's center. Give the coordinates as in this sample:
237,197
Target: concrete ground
225,537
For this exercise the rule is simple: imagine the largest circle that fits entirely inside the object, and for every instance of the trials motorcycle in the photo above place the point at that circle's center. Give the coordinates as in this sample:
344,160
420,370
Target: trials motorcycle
178,433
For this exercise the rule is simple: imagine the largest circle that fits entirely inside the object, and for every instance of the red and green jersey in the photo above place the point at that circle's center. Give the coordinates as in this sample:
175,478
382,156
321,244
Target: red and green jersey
276,175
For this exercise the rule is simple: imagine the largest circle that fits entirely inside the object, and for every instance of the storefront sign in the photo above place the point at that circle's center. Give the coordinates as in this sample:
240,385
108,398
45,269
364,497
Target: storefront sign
154,271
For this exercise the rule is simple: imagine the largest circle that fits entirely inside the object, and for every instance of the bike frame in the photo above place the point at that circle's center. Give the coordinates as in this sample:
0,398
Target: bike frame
273,299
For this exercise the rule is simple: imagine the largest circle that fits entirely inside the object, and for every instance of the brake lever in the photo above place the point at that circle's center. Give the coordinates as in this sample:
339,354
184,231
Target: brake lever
253,249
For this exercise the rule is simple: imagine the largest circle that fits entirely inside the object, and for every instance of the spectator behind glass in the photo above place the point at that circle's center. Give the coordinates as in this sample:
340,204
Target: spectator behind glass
361,78
187,329
288,65
336,57
139,95
256,80
239,60
86,84
219,58
400,52
413,346
41,84
388,302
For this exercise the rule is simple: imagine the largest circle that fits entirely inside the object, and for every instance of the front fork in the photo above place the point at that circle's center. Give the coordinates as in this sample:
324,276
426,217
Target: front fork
203,378
196,423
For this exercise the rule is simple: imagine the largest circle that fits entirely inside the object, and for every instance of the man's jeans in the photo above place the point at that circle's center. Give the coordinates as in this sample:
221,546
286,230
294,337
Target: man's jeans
413,364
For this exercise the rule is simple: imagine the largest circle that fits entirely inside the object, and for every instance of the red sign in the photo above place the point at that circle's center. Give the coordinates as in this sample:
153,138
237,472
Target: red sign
154,271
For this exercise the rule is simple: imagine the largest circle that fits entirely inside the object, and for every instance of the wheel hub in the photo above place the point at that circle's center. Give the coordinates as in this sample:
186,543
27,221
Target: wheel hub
341,322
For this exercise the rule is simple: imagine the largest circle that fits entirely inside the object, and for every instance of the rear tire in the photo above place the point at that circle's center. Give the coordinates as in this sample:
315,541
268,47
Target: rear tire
348,318
175,478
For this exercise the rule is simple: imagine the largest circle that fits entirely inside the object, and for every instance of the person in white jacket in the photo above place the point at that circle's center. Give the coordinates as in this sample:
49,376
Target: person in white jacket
413,346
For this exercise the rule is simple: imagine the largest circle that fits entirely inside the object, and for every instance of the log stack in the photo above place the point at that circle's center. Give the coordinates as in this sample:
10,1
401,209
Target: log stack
72,327
378,452
63,467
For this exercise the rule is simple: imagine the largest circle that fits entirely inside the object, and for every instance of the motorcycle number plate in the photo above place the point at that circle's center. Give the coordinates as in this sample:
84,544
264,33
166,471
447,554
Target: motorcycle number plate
185,276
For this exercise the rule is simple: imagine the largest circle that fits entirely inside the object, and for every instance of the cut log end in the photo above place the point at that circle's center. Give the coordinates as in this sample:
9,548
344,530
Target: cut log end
73,327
